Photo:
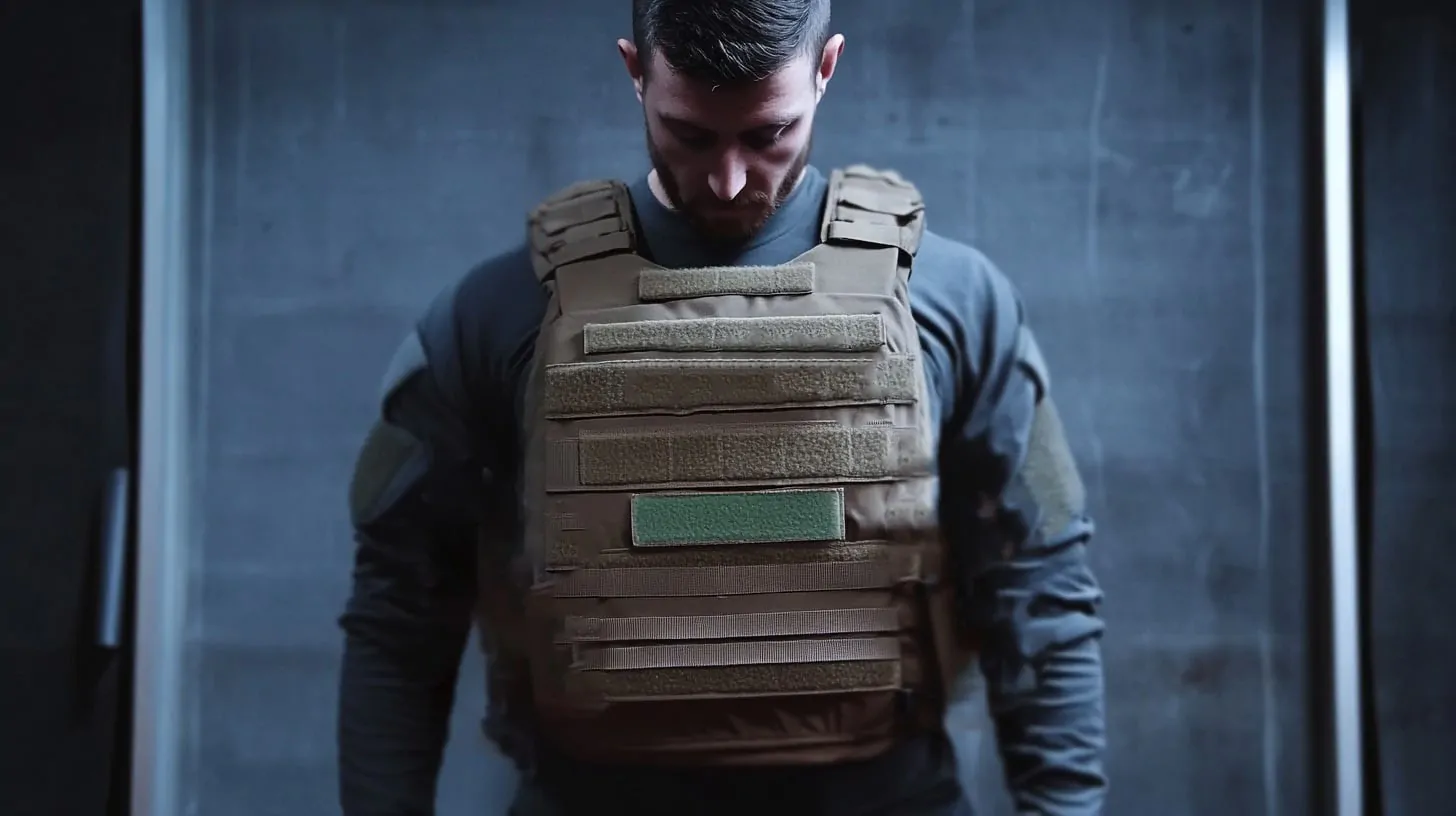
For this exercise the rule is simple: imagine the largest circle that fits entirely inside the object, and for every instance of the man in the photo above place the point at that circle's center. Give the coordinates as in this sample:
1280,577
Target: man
465,505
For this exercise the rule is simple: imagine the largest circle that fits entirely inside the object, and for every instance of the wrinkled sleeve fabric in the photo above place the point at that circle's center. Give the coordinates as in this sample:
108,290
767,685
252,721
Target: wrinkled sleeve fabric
416,499
1017,517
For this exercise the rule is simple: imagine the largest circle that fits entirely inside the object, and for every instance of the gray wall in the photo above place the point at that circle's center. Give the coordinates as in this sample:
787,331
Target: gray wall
1134,165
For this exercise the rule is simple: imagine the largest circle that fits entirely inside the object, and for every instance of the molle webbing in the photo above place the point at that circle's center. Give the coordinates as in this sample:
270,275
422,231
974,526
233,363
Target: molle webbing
766,579
565,554
861,332
873,207
739,681
789,653
737,653
656,285
724,627
625,387
779,452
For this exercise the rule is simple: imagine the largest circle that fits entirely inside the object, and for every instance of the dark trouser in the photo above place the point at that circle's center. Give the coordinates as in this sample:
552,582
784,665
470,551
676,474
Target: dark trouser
917,778
531,801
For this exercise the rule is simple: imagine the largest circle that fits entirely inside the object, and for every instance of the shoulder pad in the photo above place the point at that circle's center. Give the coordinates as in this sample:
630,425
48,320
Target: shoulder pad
390,457
1028,353
389,463
408,359
873,207
586,220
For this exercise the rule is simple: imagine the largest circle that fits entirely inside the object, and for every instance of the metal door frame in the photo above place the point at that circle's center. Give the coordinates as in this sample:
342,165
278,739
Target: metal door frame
1338,763
165,504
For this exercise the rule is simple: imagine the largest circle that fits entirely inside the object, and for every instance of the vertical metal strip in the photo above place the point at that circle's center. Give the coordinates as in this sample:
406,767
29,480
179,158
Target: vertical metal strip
1344,597
163,451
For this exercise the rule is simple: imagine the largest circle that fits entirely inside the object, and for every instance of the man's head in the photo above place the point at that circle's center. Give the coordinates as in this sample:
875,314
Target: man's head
728,90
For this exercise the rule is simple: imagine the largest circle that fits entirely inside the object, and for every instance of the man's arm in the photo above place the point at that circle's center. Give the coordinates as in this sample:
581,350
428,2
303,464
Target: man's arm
413,502
1023,544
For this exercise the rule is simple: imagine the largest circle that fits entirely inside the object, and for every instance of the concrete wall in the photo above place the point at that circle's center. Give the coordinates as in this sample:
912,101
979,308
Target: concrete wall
1134,165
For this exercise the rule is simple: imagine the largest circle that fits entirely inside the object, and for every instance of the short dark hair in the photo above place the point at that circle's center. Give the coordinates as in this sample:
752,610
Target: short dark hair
729,42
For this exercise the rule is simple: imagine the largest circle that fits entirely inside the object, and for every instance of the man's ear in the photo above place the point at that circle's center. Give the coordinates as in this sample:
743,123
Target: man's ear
633,63
828,61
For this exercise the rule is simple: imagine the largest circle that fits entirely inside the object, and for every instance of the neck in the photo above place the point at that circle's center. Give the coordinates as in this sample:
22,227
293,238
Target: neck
654,183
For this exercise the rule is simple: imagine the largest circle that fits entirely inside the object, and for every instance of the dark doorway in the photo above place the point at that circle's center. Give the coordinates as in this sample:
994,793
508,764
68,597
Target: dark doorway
68,200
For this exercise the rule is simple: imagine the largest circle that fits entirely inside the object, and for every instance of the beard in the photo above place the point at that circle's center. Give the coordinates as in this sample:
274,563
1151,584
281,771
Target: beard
728,222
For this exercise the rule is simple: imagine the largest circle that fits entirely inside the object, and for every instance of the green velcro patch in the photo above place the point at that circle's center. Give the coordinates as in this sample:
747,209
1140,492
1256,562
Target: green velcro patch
655,285
624,387
1050,473
759,517
860,332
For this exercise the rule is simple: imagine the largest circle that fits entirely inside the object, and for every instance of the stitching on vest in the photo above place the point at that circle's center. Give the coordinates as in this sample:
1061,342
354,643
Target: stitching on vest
874,207
588,220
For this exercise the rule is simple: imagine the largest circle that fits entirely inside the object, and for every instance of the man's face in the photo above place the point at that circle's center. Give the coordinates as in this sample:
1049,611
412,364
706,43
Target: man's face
727,157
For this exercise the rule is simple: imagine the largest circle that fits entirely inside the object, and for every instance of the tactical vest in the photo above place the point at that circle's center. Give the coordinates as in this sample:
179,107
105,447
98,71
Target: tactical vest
729,493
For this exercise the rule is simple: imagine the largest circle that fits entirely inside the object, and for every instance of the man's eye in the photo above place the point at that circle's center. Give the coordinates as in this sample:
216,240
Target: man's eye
696,142
760,141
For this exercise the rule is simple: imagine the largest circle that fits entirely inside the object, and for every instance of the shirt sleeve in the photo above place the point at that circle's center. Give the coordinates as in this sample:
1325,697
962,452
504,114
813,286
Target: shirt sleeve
421,490
1016,514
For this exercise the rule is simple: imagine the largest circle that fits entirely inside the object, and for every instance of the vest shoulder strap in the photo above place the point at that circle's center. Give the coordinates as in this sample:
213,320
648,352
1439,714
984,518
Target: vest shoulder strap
587,220
873,207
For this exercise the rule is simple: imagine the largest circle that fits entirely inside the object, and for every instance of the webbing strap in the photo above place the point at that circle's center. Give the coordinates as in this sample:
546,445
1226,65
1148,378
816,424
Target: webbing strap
763,652
735,452
676,385
738,682
836,333
690,582
726,627
864,232
586,220
583,209
794,278
889,177
875,208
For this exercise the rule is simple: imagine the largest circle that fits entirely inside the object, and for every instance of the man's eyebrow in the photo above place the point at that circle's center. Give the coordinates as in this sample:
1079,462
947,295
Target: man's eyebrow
776,124
676,122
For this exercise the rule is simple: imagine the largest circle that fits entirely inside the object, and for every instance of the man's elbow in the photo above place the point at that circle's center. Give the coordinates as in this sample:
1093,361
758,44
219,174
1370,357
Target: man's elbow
1063,587
393,610
1041,615
1049,600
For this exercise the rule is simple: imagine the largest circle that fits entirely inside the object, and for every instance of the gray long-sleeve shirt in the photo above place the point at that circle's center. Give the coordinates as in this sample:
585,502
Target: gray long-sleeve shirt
453,413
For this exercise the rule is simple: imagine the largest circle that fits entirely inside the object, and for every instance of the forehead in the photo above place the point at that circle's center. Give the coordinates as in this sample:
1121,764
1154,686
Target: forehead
785,95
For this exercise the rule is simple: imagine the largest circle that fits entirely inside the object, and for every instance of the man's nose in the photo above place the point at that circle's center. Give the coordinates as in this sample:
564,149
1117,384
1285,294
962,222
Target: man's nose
729,177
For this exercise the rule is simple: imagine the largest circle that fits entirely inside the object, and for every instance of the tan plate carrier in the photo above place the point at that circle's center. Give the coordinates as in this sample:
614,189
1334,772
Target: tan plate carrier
729,493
